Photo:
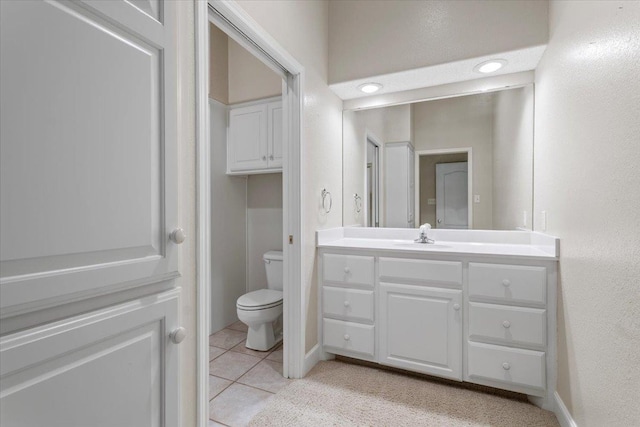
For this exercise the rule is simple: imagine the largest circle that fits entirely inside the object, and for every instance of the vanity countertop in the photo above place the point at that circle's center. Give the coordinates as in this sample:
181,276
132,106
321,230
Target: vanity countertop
519,244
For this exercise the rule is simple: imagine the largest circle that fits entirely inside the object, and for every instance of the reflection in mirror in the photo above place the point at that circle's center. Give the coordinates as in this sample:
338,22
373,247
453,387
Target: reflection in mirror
464,162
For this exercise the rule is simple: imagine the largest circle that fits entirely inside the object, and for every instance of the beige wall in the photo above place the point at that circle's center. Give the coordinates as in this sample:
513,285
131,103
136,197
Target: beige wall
465,121
249,78
264,225
375,37
397,123
513,158
587,179
301,27
428,183
218,65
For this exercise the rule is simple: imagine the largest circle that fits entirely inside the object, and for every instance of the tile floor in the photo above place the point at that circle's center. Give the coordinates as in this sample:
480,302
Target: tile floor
241,381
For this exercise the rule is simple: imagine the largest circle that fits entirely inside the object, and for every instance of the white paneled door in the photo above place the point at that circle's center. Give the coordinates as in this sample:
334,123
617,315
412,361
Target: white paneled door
88,205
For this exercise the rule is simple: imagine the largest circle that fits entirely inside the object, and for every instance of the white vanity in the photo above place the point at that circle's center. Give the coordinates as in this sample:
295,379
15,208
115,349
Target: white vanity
476,306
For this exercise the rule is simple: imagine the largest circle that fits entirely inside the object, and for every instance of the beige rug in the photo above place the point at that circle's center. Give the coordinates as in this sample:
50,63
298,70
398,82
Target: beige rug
341,394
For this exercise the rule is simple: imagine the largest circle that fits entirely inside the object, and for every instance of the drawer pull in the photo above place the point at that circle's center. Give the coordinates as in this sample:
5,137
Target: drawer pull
347,303
506,366
506,283
347,337
347,270
456,307
506,324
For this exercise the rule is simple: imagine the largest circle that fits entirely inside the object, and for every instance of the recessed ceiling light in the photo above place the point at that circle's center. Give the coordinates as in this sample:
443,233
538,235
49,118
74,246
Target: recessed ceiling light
490,66
370,87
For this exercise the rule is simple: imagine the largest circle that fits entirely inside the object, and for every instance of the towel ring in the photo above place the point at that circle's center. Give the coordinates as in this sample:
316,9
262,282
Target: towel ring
325,195
358,200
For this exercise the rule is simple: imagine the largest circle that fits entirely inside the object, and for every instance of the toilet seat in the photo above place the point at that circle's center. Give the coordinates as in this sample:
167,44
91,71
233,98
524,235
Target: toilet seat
261,299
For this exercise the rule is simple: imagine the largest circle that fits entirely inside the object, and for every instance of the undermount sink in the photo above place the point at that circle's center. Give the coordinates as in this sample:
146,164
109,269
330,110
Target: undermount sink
417,245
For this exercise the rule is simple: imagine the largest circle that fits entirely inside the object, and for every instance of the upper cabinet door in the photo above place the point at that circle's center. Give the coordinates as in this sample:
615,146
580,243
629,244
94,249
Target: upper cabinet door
247,145
87,149
275,135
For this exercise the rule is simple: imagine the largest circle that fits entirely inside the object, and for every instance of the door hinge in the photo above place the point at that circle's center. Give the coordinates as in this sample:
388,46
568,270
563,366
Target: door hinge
290,239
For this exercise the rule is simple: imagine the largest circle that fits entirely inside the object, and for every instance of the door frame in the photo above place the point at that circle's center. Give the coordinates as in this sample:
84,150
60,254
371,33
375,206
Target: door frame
469,152
243,29
370,136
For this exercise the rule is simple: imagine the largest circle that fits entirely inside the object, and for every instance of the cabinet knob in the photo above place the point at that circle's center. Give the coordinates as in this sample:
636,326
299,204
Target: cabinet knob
271,157
506,324
456,307
347,270
264,158
177,236
506,282
178,335
347,303
506,366
347,337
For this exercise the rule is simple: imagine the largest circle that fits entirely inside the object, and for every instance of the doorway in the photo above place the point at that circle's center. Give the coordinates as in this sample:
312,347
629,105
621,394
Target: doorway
373,183
443,188
232,20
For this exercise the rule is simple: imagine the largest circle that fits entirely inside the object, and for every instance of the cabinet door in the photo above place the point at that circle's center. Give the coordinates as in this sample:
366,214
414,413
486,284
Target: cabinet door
247,140
420,329
113,367
275,135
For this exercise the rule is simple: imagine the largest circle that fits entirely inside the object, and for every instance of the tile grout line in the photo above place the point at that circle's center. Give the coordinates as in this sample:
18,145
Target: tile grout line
236,381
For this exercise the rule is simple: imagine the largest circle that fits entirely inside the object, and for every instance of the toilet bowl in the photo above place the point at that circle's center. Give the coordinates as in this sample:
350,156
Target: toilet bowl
260,309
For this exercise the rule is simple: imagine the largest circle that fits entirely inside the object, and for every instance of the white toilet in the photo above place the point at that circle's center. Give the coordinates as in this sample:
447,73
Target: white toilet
262,308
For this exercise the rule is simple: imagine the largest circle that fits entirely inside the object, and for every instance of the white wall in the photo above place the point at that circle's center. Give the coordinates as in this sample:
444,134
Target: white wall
186,207
369,38
356,125
587,179
228,227
465,121
301,27
513,158
264,225
388,124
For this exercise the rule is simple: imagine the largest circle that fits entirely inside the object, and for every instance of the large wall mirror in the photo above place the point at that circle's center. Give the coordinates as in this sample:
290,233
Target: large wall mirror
464,162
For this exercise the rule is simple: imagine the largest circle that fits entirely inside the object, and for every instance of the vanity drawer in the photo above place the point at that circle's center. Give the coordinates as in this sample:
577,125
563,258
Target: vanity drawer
506,365
348,304
351,269
348,337
513,325
512,283
433,272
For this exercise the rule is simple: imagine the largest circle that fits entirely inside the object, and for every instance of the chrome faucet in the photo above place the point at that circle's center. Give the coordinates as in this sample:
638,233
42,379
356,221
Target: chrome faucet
423,235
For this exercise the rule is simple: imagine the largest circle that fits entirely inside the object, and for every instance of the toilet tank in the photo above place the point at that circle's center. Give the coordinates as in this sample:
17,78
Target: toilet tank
274,268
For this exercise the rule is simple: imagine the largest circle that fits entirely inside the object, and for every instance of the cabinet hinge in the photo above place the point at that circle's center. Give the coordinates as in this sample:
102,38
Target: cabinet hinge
290,239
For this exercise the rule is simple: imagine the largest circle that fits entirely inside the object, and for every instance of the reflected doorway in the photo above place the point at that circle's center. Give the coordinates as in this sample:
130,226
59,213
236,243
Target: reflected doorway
373,183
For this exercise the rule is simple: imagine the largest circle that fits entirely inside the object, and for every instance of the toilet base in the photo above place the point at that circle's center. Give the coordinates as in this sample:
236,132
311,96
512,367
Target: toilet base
261,337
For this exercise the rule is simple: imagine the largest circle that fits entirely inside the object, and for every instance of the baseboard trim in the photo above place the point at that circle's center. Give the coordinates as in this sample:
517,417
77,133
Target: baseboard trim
562,413
311,359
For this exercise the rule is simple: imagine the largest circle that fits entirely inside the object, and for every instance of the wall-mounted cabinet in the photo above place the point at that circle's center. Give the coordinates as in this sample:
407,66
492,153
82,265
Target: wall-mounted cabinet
254,140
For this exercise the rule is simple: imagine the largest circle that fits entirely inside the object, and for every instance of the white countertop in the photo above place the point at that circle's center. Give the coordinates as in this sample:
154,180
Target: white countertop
525,244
